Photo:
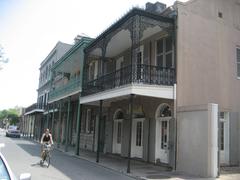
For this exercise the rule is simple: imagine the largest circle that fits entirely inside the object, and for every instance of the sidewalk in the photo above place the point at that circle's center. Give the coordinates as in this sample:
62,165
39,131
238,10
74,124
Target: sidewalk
142,170
139,170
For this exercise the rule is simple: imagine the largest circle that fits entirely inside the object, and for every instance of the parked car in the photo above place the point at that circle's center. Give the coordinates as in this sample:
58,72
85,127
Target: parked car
6,172
13,131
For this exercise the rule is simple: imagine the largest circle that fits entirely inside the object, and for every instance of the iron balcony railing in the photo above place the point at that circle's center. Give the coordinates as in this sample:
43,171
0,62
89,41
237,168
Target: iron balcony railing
73,85
35,106
140,74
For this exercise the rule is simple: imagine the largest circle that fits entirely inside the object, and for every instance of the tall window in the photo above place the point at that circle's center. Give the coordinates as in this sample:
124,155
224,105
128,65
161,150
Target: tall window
139,134
88,120
92,71
238,62
222,136
164,52
119,132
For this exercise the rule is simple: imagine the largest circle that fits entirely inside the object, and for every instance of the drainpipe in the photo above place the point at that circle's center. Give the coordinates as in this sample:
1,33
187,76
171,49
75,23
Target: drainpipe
175,88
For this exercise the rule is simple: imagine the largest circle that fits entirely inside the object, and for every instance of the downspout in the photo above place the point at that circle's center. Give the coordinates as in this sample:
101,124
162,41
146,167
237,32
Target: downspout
175,85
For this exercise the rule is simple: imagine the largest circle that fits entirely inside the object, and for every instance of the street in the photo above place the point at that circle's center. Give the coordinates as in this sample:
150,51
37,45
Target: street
23,156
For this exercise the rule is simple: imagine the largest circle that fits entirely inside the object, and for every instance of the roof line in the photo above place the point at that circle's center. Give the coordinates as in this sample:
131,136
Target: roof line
132,12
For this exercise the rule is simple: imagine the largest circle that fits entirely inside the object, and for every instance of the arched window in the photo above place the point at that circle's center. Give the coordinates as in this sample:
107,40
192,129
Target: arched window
163,110
118,114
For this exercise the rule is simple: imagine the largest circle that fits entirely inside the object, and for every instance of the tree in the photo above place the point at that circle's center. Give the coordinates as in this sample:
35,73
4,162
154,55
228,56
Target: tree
10,116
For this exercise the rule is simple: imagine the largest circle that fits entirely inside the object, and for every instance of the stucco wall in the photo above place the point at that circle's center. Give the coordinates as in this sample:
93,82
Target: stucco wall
197,140
206,55
206,58
150,106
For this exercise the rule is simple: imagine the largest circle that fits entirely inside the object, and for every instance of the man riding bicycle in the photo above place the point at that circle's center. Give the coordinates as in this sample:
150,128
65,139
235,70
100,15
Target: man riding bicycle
46,139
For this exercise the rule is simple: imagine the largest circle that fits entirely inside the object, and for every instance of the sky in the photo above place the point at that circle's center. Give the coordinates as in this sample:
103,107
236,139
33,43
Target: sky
29,29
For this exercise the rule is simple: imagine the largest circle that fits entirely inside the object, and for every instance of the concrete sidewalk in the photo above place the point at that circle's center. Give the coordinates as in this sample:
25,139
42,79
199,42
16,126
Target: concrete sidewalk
142,170
139,169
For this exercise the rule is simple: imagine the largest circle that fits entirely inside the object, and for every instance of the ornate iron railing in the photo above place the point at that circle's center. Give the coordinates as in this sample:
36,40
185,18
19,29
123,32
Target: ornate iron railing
73,85
34,107
138,74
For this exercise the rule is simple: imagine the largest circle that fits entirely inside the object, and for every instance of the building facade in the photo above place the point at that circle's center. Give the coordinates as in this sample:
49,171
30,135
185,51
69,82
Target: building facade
63,101
128,88
36,114
160,85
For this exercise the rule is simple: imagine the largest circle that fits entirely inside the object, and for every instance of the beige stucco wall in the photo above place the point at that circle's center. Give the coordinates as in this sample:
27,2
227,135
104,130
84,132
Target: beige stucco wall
206,55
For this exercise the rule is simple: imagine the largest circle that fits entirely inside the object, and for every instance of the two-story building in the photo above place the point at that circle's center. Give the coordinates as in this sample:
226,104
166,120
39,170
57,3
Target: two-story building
66,86
128,88
161,85
37,115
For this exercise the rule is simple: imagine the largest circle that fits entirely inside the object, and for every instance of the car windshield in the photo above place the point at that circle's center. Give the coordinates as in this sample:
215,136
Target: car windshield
12,127
3,171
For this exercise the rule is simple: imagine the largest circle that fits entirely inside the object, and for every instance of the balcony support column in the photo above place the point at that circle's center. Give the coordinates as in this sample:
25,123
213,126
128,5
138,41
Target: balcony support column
67,127
52,128
47,124
99,130
79,117
130,132
135,37
59,124
104,48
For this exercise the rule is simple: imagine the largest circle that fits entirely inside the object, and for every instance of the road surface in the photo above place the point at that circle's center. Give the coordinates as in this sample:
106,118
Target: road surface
23,156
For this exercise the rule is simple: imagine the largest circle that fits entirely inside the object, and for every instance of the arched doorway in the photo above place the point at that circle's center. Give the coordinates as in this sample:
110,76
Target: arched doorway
163,115
117,131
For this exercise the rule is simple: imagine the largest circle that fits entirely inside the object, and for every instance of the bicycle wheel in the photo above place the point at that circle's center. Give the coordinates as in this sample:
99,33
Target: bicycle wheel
47,160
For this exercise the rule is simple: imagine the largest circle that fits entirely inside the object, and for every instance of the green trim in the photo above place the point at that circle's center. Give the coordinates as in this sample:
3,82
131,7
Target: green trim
82,43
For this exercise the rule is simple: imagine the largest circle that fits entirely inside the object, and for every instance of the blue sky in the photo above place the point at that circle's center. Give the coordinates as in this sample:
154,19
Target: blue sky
29,29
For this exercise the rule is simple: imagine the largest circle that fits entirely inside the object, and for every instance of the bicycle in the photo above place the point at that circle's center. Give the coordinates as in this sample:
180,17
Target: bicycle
46,155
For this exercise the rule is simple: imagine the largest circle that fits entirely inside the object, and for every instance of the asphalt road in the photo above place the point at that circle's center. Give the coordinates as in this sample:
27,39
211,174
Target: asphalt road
23,156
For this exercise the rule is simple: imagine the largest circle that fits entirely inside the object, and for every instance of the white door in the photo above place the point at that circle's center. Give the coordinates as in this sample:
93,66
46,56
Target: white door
224,138
117,136
137,138
162,139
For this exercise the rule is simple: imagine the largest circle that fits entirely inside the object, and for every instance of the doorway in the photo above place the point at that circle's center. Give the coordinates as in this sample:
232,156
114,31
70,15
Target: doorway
137,138
224,137
163,115
117,131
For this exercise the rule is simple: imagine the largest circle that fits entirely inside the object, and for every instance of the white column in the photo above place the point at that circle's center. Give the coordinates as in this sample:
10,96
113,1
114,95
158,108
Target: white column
213,140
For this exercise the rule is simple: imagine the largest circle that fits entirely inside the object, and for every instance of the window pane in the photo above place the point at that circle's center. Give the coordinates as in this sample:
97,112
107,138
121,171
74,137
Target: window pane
160,46
139,134
222,115
222,135
238,55
160,61
169,60
238,69
119,132
168,44
139,58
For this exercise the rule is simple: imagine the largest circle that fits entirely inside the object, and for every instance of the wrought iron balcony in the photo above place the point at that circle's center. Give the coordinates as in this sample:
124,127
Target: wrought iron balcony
73,85
139,74
35,107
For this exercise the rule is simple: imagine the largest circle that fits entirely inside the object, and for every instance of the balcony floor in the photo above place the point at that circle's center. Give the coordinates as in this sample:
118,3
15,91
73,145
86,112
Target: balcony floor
158,91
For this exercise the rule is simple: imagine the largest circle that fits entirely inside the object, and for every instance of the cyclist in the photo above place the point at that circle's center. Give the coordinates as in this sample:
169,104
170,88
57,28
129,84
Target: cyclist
46,139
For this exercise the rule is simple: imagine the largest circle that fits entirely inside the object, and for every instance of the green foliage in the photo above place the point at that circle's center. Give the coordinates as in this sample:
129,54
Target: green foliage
10,115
